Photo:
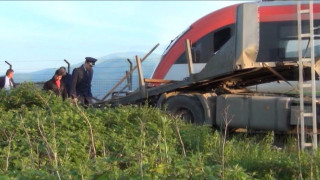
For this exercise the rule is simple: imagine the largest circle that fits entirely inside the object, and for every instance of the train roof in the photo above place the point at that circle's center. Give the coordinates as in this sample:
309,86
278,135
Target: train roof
267,12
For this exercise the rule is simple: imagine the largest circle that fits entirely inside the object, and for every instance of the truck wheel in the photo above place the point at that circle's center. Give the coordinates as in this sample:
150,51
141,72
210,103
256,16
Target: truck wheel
188,108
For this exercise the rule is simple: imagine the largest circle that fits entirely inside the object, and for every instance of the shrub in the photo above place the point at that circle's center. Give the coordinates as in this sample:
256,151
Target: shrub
44,137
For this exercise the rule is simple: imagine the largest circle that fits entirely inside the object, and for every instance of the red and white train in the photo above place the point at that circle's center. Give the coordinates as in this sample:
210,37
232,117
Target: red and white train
238,37
233,48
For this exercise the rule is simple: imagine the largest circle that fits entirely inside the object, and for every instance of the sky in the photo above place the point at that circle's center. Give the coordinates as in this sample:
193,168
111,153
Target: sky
35,35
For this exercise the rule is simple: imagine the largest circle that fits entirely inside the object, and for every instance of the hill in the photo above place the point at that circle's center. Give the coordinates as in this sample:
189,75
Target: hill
107,72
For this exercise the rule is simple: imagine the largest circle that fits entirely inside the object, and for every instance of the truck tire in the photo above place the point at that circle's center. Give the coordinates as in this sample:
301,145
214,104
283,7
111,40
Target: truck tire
188,108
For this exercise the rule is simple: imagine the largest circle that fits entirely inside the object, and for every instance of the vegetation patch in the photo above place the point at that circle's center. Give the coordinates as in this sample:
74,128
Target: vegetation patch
43,137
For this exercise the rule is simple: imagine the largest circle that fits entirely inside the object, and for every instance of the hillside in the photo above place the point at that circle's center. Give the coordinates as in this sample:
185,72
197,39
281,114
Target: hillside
107,72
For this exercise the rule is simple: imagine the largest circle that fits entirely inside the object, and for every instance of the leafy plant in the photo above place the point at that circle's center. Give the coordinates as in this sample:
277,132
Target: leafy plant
44,137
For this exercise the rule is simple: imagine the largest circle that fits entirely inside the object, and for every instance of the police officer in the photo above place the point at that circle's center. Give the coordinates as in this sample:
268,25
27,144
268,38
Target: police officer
81,82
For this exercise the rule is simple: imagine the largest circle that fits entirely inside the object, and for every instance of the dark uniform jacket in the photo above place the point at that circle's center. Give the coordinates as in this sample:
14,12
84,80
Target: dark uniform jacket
81,82
51,85
67,80
3,81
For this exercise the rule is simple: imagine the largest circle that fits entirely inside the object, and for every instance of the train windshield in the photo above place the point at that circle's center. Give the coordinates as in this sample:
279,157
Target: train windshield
174,41
279,41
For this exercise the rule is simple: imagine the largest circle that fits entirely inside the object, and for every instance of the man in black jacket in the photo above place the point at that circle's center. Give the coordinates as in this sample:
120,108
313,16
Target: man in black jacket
81,82
6,81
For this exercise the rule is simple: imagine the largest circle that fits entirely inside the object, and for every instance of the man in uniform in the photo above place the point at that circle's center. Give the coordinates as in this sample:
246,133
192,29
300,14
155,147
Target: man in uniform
81,82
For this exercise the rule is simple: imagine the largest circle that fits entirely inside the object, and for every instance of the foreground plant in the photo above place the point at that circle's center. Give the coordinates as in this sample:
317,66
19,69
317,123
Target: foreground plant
43,137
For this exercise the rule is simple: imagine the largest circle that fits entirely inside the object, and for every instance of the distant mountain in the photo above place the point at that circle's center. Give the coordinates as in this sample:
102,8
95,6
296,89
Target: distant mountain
107,72
111,68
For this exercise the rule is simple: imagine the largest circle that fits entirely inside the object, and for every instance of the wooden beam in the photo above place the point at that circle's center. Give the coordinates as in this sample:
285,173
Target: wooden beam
187,45
125,77
157,81
142,86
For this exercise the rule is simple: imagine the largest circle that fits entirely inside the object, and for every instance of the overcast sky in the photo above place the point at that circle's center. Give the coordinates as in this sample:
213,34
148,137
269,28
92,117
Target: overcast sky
40,34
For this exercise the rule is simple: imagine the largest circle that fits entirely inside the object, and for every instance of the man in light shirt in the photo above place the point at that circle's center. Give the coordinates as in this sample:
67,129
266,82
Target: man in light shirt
6,81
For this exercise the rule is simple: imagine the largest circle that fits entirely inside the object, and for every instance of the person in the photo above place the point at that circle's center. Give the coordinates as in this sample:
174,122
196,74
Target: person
66,79
56,85
6,82
81,82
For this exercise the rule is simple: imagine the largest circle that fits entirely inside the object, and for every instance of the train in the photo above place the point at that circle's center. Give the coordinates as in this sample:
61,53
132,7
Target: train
243,45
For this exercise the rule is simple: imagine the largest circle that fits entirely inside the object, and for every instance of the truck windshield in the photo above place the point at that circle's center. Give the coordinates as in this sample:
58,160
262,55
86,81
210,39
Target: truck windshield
279,41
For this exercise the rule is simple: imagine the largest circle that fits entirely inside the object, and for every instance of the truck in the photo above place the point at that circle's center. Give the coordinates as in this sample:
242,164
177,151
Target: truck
204,73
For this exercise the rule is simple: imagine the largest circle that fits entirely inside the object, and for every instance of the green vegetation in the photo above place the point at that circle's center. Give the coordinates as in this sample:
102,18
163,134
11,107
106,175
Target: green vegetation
42,137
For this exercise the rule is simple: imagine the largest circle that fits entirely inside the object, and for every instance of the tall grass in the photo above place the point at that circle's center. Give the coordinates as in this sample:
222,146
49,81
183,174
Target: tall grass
53,140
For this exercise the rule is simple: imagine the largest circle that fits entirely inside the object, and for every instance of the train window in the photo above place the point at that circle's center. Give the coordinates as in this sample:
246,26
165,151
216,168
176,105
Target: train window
206,47
220,38
284,44
175,40
202,49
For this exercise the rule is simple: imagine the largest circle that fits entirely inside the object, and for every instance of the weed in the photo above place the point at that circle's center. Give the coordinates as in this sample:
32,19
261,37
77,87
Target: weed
43,137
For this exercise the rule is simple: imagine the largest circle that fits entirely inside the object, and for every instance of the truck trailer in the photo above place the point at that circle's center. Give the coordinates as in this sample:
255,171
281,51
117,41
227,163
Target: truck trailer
203,74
